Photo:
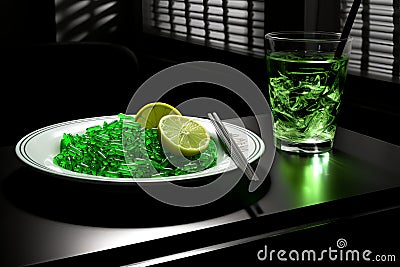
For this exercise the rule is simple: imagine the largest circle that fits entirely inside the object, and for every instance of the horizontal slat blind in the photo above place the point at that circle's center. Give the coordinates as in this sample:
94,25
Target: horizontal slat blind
376,38
85,20
235,25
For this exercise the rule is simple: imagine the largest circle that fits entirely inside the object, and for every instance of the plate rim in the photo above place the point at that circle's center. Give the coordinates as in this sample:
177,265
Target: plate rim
76,176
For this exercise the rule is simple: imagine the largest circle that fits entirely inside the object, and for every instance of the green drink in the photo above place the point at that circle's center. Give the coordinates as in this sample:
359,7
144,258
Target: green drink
305,88
303,102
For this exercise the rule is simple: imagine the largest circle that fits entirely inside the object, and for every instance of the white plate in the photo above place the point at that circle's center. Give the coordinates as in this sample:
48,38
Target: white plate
38,149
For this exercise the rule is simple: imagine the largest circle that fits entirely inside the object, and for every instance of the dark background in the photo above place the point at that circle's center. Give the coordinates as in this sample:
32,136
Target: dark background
40,86
369,105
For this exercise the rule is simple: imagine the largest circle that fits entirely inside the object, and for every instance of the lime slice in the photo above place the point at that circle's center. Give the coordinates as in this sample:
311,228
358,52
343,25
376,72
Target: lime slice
149,115
182,134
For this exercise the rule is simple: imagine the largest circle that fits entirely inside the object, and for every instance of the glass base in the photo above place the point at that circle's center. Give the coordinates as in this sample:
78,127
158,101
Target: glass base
305,148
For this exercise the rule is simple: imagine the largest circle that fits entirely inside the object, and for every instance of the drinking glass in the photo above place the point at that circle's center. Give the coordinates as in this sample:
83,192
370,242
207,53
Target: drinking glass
306,78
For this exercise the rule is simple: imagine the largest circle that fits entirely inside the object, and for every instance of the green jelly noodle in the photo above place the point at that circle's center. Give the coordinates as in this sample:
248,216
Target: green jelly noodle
122,149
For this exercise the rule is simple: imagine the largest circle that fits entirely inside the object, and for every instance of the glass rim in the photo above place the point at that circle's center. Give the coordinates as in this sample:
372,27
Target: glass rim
328,36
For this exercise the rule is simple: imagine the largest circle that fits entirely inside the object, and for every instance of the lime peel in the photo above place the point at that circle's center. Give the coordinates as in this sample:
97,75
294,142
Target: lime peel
150,114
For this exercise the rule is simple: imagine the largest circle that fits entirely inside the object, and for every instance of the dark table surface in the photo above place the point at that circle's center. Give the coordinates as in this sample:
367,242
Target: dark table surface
45,219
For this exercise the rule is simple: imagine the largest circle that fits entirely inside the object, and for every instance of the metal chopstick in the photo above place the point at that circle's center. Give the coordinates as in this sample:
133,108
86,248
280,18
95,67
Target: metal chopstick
237,152
233,149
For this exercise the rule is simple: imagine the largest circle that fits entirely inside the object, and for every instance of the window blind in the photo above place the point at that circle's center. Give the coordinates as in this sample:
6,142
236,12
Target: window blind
85,20
234,25
376,38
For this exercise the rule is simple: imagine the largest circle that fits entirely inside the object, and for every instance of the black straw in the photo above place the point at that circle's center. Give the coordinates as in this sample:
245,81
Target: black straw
347,27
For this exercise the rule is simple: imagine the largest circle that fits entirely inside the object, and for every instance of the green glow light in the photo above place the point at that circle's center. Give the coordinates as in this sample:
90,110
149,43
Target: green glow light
305,178
313,178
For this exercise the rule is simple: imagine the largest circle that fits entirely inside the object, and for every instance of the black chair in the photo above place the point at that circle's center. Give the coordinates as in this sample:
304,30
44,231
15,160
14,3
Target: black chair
55,82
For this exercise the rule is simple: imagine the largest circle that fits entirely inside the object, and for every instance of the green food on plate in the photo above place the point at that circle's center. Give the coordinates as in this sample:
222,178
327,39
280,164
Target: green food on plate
124,149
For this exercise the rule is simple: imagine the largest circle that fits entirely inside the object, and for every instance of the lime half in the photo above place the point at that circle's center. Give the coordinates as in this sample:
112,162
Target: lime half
149,115
183,134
